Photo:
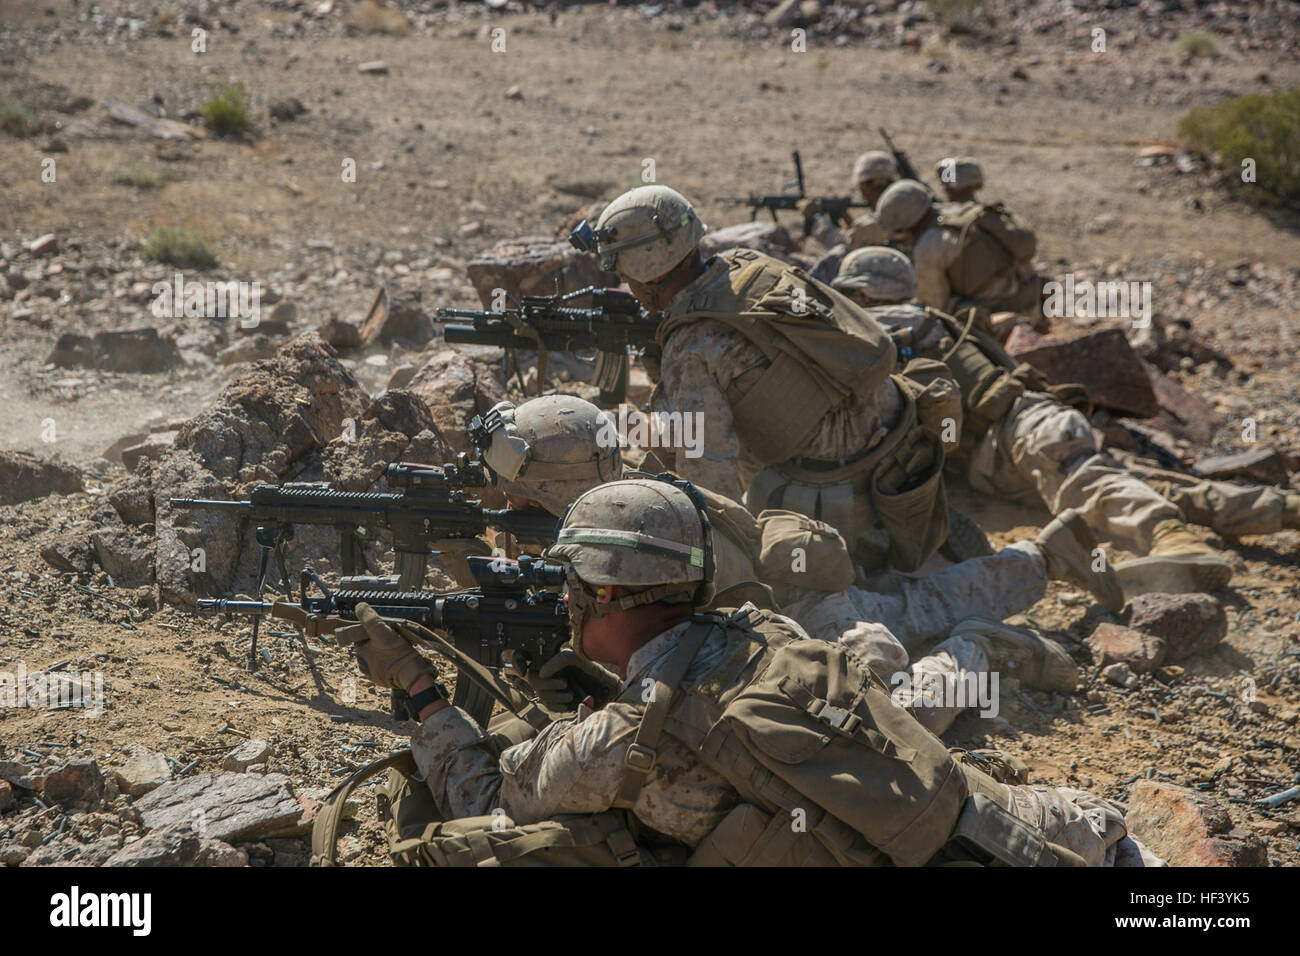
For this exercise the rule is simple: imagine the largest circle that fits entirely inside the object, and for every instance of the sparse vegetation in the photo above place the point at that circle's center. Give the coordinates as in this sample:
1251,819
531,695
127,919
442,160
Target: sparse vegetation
226,113
374,17
179,247
1263,127
18,120
140,176
1198,44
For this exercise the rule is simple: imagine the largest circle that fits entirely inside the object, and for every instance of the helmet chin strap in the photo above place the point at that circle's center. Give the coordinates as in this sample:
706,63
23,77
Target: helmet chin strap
585,605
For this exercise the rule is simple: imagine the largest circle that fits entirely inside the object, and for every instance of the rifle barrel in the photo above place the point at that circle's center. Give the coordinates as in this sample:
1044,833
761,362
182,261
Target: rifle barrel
210,505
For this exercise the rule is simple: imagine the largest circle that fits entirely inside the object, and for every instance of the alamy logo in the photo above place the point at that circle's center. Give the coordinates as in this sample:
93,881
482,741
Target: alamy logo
46,691
1087,299
929,689
74,909
684,430
211,300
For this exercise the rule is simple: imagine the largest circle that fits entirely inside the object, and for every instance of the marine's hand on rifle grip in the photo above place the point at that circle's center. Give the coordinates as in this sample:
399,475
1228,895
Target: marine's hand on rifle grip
383,655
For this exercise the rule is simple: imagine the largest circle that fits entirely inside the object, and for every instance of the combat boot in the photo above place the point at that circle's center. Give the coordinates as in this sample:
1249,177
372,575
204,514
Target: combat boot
1177,562
1291,512
1036,661
1068,545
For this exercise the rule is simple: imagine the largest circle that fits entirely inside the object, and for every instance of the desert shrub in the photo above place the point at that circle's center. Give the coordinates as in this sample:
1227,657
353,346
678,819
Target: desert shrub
226,113
1264,127
18,120
179,247
139,175
1198,44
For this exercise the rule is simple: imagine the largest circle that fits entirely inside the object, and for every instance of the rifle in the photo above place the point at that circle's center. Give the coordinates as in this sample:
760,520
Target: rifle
611,323
905,168
836,207
431,506
509,610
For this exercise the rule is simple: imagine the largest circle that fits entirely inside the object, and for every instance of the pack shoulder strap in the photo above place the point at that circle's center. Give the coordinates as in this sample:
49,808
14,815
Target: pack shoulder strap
324,831
642,753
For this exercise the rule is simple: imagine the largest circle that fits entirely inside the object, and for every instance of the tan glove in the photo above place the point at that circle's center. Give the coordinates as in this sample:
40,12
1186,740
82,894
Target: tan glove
566,679
382,654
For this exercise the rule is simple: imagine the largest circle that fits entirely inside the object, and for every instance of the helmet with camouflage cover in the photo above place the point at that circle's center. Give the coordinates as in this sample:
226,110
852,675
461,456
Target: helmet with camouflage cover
875,166
646,231
650,536
903,205
959,172
878,272
550,449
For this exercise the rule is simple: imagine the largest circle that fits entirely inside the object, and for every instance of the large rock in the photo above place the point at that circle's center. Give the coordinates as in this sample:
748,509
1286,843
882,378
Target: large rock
128,558
356,462
1262,464
767,237
1102,361
70,552
153,447
177,844
132,498
1189,624
398,315
456,389
78,783
531,265
1187,828
1113,644
24,477
225,806
1181,412
274,413
143,771
134,350
402,411
196,553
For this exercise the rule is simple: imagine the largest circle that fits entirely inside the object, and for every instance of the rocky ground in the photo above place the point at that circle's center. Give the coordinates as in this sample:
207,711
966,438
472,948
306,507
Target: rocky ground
114,408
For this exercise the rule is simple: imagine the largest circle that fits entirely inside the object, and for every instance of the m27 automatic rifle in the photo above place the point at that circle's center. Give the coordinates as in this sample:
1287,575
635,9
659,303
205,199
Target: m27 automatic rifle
509,618
836,207
430,504
597,325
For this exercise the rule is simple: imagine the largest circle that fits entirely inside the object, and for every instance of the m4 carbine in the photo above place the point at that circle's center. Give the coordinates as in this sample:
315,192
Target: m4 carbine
609,323
431,505
510,610
835,207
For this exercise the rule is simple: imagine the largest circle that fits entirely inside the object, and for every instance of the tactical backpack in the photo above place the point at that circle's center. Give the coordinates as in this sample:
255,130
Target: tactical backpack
822,349
993,241
828,770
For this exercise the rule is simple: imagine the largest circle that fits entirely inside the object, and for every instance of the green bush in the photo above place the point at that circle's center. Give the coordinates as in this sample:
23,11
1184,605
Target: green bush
1264,127
1198,44
18,120
226,114
179,247
139,175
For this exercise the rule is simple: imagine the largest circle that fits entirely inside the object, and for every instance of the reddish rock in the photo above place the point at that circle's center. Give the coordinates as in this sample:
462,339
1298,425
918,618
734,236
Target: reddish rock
24,477
1102,361
456,389
78,782
397,315
6,795
531,265
1187,828
1181,412
1113,644
1264,465
153,447
1189,624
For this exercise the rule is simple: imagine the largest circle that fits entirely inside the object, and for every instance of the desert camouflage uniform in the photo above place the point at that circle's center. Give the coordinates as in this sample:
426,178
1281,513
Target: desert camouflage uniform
701,359
576,765
936,249
1047,449
1225,506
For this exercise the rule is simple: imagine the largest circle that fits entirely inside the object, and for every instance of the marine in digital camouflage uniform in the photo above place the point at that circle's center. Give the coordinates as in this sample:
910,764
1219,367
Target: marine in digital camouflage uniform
548,451
1026,443
638,563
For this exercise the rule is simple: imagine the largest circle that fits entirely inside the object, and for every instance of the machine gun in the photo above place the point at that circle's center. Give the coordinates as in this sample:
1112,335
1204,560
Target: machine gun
836,207
510,610
905,168
431,506
608,324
